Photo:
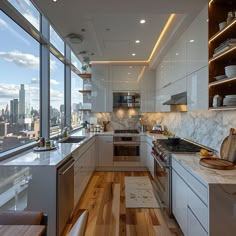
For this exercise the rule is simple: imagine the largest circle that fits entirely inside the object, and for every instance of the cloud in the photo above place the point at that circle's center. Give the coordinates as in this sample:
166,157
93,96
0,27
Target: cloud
34,81
9,91
3,23
32,19
56,95
21,59
54,82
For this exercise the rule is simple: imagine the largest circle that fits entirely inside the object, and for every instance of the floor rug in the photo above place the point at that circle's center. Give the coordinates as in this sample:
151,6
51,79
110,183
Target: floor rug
139,193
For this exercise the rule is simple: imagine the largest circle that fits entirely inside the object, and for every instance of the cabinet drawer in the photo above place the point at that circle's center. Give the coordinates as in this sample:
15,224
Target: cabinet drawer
199,209
200,189
194,227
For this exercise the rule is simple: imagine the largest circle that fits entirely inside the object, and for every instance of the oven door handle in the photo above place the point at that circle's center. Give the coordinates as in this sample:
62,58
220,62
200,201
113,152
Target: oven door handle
126,144
160,164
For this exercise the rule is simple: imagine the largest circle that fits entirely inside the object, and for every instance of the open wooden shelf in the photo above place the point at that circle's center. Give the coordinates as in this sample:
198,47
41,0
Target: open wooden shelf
85,91
85,75
224,55
218,82
224,108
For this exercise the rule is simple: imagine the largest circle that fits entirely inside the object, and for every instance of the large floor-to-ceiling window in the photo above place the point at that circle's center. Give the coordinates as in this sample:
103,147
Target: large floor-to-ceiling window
30,61
19,85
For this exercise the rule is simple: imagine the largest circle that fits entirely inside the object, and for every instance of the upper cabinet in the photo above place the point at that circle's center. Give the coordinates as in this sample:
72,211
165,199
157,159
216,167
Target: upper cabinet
197,42
125,78
222,56
147,90
101,98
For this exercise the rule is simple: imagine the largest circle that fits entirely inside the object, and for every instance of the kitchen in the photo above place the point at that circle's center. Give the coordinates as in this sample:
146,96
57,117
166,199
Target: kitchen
179,64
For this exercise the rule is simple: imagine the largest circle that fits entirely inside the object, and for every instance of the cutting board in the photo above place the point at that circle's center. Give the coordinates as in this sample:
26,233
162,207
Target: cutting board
216,163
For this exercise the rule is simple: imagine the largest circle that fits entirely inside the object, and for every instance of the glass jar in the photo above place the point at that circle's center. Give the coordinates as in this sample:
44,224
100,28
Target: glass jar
230,17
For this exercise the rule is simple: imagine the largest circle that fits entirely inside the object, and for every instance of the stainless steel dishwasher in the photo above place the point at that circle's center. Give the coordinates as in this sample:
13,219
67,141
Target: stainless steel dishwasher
65,194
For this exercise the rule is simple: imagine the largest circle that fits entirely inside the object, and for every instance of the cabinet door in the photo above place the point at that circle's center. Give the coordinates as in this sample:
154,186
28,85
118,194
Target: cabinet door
101,98
105,147
179,200
125,78
197,42
197,90
150,161
93,156
143,153
147,86
194,227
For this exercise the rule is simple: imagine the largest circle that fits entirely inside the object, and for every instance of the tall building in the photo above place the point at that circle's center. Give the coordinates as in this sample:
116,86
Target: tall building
14,111
22,102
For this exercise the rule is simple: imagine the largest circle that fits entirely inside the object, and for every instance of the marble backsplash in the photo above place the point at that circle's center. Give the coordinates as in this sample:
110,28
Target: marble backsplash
208,128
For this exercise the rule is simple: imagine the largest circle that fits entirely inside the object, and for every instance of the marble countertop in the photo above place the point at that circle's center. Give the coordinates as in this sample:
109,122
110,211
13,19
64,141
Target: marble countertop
57,156
206,175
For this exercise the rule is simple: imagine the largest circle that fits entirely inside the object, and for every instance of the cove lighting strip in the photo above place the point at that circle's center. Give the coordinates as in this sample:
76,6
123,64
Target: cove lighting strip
167,25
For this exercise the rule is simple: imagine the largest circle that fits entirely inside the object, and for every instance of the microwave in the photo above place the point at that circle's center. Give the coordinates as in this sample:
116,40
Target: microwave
126,100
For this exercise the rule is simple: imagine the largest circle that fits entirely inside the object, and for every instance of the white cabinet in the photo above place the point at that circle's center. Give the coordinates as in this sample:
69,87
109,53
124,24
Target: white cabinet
189,202
147,89
150,160
105,150
101,97
179,200
194,226
197,90
197,42
125,78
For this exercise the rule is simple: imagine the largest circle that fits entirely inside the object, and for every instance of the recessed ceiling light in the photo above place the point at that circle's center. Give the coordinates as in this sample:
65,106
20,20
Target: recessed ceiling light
191,41
137,41
54,0
142,21
130,67
133,54
177,54
129,73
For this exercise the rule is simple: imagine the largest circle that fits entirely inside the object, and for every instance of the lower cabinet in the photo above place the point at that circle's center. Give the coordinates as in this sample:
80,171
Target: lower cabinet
190,211
150,160
105,150
83,168
194,226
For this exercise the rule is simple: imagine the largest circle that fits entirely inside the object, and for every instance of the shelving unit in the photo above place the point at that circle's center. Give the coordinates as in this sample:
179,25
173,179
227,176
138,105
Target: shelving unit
218,12
85,75
85,91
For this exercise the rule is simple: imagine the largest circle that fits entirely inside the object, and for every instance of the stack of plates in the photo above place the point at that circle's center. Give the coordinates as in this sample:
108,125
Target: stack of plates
230,71
229,100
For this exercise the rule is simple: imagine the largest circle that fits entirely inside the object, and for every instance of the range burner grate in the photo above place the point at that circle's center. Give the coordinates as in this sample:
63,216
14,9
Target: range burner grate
126,131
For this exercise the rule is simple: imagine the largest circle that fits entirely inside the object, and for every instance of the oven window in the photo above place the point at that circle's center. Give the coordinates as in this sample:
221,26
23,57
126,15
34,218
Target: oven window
122,150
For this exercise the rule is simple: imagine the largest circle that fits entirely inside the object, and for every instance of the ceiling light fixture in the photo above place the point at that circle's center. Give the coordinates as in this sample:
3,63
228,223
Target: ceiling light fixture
191,40
137,41
142,21
75,38
133,54
54,0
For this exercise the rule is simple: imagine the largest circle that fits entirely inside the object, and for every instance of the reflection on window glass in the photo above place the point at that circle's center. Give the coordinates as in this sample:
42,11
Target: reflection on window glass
75,61
76,100
56,41
56,95
28,10
19,85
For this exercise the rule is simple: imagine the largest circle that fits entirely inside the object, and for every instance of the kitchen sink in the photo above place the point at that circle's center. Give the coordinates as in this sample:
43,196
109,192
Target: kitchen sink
74,139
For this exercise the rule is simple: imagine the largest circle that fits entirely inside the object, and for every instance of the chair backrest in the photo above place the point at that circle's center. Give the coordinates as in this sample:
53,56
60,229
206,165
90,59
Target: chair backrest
79,227
20,217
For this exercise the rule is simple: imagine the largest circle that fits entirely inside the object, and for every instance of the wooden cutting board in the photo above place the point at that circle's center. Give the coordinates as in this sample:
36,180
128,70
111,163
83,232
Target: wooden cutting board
216,163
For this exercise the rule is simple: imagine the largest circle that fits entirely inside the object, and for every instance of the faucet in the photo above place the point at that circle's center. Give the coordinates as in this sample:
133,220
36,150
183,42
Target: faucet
65,127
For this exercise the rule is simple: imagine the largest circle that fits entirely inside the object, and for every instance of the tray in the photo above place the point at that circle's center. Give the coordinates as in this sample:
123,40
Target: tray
216,163
42,149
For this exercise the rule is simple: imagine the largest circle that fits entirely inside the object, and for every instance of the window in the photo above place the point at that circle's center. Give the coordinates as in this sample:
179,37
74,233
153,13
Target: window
75,61
19,85
56,41
27,9
56,95
76,100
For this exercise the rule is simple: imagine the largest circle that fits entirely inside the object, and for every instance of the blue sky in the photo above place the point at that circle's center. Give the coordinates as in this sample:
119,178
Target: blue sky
19,60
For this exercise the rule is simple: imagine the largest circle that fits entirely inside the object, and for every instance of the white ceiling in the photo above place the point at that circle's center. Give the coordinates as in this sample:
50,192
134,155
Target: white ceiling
111,27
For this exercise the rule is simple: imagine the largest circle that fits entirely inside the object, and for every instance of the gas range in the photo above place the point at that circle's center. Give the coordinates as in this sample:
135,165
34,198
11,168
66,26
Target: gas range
163,149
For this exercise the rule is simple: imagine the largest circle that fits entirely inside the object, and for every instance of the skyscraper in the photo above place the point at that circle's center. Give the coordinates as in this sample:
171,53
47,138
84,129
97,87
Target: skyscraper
14,111
22,102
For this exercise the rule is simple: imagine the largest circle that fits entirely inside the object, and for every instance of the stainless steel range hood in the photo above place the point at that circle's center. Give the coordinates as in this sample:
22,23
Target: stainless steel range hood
177,102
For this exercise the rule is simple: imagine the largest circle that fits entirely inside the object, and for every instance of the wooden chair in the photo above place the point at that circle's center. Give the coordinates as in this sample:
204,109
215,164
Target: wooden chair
23,218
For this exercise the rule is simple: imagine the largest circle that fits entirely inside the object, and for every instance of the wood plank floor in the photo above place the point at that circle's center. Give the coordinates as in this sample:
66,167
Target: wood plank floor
104,198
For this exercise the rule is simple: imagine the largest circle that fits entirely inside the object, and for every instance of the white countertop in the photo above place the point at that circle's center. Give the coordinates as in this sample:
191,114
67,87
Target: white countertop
206,175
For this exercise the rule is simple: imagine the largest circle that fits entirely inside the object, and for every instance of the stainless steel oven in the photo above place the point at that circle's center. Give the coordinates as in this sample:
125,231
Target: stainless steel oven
162,182
126,148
